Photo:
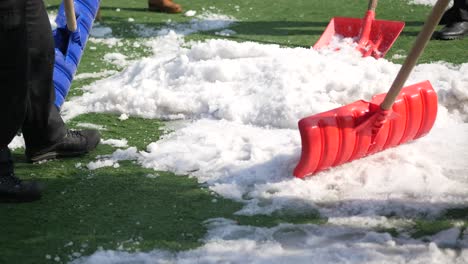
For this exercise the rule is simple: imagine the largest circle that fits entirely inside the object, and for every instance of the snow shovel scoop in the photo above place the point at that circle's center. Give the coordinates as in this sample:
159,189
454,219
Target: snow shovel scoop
373,37
363,128
74,21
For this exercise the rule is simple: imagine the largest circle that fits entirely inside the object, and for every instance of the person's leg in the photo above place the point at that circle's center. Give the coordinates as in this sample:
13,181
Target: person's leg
44,131
456,21
13,90
13,68
450,15
462,6
12,189
42,125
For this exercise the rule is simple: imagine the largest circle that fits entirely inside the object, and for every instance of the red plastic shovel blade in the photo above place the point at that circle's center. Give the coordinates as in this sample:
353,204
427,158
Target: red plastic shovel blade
381,38
330,138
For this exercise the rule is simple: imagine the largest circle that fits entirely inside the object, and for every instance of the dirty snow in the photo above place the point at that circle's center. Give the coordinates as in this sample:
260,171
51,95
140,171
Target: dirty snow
96,75
113,159
100,31
118,143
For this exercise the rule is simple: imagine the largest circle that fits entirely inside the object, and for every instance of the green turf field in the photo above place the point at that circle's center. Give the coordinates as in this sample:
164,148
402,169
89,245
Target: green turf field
127,208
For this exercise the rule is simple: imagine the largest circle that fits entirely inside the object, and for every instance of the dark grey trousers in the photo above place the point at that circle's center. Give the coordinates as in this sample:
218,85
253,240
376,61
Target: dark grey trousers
462,9
26,66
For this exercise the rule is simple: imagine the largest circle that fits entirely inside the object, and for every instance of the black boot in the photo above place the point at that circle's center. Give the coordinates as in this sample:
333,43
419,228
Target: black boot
13,189
457,30
75,143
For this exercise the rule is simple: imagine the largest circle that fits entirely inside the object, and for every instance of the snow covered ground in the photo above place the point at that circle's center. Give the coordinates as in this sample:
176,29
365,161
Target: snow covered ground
240,103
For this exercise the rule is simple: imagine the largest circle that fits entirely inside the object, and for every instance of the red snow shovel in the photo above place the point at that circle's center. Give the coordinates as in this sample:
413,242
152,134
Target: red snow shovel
374,37
363,128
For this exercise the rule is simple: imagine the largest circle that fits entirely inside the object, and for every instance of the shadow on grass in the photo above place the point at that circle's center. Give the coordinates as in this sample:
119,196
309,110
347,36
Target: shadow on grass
121,26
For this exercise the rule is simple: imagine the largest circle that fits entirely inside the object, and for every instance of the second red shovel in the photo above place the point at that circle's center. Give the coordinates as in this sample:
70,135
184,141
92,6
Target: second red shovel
373,37
363,128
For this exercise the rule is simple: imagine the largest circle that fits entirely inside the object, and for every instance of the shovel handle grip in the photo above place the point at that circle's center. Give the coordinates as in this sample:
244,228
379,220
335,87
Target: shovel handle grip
421,41
372,5
70,14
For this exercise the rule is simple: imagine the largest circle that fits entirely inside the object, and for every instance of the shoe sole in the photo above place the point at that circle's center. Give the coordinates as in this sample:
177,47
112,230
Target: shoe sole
56,155
452,37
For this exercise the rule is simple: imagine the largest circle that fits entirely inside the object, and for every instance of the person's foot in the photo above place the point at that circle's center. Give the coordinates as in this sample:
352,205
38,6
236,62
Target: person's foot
457,30
165,6
14,190
75,143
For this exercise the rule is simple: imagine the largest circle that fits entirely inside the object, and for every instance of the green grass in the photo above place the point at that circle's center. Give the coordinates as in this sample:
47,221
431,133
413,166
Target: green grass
123,208
107,208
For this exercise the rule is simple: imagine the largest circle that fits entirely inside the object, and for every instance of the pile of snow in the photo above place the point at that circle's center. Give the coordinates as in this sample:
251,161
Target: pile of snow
240,103
247,99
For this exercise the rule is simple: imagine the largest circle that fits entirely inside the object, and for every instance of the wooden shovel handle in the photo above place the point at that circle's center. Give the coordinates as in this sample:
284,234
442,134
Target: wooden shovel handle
413,56
372,5
70,14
